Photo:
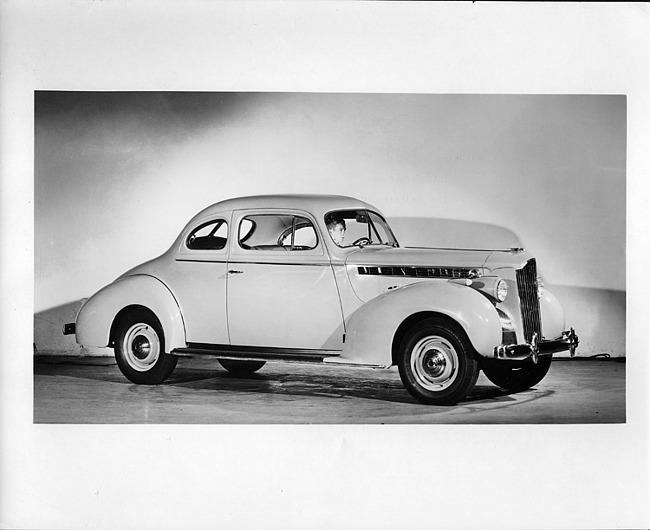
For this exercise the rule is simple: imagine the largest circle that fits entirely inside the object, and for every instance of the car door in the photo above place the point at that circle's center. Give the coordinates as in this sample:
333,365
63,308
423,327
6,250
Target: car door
281,287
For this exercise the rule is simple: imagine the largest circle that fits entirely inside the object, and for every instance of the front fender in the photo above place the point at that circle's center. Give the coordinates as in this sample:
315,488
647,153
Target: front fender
552,316
371,329
95,318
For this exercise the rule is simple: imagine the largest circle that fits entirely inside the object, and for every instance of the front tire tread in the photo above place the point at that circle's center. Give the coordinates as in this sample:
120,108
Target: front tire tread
463,365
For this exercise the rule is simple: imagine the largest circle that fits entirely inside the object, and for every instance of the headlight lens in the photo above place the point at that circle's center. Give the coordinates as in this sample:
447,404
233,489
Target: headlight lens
502,290
540,287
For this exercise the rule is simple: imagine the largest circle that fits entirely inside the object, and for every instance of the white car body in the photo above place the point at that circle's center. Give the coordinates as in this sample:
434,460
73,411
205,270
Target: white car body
320,302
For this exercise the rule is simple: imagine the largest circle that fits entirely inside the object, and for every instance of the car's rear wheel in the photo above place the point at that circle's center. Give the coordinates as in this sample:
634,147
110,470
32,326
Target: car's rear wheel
140,349
241,367
514,375
436,362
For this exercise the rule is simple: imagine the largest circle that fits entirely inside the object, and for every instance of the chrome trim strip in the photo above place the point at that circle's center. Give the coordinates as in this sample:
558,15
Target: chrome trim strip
238,262
513,250
412,271
206,260
304,264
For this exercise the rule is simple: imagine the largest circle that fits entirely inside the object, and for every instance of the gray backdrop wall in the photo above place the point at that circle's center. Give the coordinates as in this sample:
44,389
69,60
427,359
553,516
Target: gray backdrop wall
117,175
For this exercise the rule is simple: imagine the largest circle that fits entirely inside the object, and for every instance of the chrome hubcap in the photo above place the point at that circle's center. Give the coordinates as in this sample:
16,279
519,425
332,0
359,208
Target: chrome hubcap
141,347
434,363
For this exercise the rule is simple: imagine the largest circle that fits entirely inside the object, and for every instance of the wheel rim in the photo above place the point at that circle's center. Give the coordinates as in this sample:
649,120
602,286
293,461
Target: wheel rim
434,363
141,347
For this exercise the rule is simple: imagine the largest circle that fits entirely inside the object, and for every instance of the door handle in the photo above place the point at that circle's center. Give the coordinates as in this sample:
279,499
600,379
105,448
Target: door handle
231,271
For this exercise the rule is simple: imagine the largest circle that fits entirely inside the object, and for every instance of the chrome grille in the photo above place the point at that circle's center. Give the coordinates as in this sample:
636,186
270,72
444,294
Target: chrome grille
529,303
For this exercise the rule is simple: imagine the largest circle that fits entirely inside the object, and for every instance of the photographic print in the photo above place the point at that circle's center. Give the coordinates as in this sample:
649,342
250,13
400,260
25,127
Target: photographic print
235,268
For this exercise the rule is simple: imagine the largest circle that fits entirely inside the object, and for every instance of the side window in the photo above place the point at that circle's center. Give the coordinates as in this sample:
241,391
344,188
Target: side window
279,232
358,227
212,235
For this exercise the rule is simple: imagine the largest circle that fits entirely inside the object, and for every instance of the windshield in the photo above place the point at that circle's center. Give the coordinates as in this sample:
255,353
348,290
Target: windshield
349,228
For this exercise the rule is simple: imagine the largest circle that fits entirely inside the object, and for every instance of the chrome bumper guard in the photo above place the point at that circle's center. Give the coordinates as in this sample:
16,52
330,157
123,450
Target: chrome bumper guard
520,352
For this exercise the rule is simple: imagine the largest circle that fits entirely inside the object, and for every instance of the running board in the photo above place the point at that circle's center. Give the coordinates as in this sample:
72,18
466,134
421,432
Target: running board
256,353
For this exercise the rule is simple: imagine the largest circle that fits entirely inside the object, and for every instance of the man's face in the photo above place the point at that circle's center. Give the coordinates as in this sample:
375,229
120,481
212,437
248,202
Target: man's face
338,233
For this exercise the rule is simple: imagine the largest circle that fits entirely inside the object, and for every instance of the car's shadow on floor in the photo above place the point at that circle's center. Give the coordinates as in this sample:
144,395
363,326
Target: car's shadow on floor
374,385
340,386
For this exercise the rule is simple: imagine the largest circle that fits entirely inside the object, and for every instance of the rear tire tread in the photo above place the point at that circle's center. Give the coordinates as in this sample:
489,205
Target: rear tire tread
241,368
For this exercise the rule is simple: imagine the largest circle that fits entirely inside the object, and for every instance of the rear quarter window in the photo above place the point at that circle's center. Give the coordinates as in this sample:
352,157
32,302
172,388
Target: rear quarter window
212,235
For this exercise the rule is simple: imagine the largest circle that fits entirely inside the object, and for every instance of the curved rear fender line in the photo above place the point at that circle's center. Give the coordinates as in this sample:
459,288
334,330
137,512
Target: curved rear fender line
552,313
96,318
372,329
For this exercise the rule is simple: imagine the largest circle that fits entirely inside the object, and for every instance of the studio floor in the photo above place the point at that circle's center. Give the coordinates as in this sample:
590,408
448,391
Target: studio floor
93,390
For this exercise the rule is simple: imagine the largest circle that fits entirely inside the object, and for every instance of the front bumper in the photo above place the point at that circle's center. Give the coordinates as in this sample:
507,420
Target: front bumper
520,352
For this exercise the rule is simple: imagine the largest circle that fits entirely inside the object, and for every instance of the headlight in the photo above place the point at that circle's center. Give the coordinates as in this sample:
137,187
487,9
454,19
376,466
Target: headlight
540,287
502,290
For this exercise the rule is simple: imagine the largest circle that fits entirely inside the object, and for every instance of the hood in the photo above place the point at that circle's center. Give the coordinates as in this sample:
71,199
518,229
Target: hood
510,259
488,260
374,270
419,257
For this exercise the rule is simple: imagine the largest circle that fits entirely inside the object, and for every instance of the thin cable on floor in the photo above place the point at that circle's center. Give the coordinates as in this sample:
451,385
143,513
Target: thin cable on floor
600,356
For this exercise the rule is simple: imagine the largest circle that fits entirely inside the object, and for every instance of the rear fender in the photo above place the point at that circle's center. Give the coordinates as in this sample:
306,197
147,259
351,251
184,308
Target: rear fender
97,316
371,329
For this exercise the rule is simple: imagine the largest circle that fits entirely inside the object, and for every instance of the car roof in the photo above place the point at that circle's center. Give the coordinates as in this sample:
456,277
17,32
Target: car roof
318,205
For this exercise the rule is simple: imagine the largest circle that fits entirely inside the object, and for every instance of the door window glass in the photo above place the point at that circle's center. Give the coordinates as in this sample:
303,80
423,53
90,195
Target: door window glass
280,232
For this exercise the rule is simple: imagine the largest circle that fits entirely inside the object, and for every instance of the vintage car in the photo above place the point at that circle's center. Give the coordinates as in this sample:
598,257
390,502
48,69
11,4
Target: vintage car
322,279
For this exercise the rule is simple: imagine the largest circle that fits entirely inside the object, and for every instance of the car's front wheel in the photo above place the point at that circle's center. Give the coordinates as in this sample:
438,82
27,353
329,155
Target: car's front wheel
514,375
140,349
241,367
436,362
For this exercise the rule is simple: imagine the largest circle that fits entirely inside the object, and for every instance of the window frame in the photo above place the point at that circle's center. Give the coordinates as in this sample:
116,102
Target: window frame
183,253
239,254
287,231
219,222
372,227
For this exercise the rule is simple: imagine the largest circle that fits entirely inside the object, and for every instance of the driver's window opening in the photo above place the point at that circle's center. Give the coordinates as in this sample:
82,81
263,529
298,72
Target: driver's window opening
281,232
359,228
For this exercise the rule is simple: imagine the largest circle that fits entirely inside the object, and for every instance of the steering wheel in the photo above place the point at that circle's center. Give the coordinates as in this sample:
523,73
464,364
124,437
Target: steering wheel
364,240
